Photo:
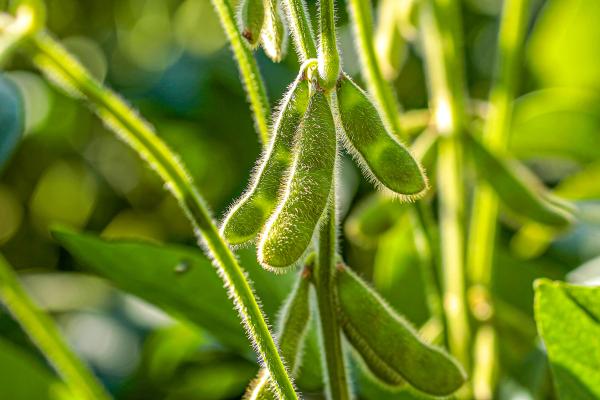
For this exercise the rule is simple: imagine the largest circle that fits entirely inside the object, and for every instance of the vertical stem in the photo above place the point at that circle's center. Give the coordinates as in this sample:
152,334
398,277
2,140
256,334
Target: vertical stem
485,205
425,239
326,293
47,337
257,94
443,52
329,57
67,73
337,383
362,21
299,22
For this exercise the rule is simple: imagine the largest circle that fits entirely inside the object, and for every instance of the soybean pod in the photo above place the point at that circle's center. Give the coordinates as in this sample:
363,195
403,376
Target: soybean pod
518,189
384,159
293,324
251,19
389,346
245,219
288,233
274,34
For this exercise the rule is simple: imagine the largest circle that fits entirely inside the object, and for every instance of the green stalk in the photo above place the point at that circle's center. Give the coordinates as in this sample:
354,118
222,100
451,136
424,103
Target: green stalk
329,57
441,33
257,94
326,293
485,205
362,21
299,23
66,72
45,334
337,382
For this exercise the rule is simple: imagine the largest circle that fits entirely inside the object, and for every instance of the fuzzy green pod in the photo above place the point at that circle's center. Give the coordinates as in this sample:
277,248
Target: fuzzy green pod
385,160
387,343
517,188
294,319
252,19
288,233
274,34
245,219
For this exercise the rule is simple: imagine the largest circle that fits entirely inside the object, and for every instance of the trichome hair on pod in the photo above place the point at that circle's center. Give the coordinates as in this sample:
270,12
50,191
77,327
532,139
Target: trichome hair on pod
274,36
248,215
383,159
251,16
293,323
387,343
288,234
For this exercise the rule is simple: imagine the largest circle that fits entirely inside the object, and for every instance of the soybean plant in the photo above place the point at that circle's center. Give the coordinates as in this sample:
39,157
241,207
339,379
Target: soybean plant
290,209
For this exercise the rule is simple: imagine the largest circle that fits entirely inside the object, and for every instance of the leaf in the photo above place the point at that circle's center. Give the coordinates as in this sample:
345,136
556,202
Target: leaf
568,320
371,218
561,122
11,118
179,280
567,56
517,188
22,377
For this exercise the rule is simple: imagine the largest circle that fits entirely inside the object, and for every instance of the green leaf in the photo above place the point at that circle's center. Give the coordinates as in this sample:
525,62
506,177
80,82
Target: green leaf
11,118
557,123
517,188
22,377
563,49
568,320
180,280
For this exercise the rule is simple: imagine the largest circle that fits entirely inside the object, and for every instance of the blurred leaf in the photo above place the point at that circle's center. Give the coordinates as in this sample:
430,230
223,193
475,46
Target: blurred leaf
568,319
179,280
22,377
564,45
582,185
397,273
562,122
517,188
586,274
11,118
371,218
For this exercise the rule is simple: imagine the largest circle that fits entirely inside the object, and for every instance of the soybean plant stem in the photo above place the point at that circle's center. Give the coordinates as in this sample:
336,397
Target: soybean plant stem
337,383
326,292
485,205
441,33
45,334
362,21
329,57
299,22
251,77
62,68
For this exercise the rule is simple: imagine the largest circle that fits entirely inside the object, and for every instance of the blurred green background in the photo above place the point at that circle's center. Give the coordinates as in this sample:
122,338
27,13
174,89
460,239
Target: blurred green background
171,60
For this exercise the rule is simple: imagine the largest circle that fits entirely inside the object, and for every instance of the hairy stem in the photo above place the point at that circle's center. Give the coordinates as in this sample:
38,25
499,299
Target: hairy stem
67,73
337,382
329,57
251,77
485,204
362,22
441,33
47,337
299,22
